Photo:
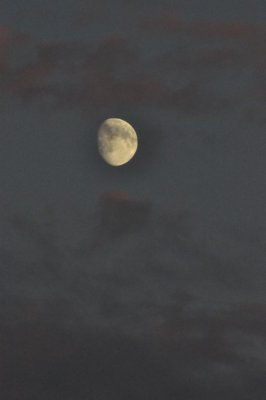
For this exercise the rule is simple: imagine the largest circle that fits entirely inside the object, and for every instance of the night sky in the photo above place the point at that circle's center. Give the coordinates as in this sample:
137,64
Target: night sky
146,281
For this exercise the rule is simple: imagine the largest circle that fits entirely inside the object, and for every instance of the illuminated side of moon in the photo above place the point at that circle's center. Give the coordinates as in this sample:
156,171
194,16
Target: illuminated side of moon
117,141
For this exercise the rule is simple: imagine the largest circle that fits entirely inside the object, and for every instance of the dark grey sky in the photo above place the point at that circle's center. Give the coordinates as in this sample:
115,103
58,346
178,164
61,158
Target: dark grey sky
180,263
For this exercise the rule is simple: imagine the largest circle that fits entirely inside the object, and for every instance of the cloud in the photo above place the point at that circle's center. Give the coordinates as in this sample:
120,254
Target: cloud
138,258
88,363
169,22
221,58
29,79
113,50
119,214
166,22
191,99
118,72
226,30
8,42
144,312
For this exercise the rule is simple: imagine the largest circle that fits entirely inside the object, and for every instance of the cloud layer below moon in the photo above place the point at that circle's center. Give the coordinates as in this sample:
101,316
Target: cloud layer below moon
133,281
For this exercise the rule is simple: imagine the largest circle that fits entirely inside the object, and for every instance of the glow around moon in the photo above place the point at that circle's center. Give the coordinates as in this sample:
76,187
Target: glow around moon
117,141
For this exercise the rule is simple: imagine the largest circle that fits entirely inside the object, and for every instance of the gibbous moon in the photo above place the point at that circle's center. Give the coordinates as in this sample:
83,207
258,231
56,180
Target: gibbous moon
117,141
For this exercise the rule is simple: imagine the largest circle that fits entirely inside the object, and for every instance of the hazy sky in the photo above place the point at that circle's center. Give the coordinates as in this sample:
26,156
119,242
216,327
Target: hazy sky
113,288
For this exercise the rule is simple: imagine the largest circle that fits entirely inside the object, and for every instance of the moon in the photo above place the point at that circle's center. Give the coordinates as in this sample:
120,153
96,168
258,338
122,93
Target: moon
117,141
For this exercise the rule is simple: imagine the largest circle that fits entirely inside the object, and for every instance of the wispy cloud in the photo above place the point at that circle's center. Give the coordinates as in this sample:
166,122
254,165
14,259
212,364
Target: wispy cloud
114,71
132,291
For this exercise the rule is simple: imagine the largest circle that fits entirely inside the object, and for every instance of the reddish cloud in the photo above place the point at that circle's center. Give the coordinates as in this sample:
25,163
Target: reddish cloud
204,58
225,30
104,90
5,36
115,196
114,72
167,22
8,40
30,78
171,23
193,99
90,12
114,44
221,57
5,39
52,52
112,52
120,214
142,91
